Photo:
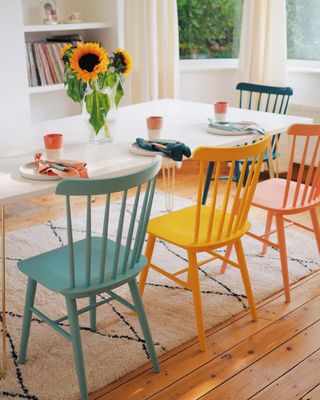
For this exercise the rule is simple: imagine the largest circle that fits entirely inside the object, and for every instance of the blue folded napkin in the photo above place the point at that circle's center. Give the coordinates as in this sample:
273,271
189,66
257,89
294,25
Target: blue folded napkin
172,149
245,127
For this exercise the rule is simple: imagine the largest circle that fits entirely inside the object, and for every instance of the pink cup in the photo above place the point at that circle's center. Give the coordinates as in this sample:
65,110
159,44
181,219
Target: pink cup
154,124
53,144
220,110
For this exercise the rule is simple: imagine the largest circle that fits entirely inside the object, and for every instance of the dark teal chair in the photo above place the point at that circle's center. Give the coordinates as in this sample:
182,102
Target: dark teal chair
94,265
261,98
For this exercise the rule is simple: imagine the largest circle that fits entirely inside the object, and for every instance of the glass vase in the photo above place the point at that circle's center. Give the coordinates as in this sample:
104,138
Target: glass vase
108,130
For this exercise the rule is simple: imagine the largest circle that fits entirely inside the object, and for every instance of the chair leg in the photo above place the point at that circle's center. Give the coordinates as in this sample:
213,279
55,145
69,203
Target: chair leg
267,229
27,317
93,314
283,256
144,323
207,183
227,255
315,224
148,253
77,347
237,172
245,278
193,280
269,169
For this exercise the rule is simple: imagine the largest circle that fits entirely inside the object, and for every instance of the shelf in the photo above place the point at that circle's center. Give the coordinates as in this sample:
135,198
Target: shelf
46,88
66,27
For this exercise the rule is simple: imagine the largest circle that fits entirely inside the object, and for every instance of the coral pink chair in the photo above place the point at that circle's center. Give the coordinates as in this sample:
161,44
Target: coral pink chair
282,198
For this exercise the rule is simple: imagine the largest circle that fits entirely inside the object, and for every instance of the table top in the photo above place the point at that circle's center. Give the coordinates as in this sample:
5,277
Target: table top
183,121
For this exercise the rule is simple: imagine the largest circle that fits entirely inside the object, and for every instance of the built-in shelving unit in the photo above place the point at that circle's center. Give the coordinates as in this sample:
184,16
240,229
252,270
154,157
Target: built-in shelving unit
99,25
66,27
46,88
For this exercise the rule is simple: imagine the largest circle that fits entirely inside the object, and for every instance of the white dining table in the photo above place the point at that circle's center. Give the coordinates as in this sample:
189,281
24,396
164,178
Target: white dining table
184,121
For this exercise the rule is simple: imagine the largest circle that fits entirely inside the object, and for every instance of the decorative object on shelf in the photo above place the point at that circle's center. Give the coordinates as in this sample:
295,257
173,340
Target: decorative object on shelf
73,17
96,80
49,11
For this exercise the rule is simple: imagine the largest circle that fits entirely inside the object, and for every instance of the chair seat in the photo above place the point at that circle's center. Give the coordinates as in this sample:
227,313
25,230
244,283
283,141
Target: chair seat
178,228
269,194
51,269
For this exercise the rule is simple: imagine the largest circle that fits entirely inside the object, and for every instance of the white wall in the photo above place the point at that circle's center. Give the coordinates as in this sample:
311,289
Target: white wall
14,99
209,85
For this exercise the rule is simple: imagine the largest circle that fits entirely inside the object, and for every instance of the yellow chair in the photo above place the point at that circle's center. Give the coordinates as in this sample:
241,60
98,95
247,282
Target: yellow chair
206,228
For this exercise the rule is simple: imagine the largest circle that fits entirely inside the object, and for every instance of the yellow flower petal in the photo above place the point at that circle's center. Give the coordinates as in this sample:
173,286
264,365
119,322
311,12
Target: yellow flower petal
88,60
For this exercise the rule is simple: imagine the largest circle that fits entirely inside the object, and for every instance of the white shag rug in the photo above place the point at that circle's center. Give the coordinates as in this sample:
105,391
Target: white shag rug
118,346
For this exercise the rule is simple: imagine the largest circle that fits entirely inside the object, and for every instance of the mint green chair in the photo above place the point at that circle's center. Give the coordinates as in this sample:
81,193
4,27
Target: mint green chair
94,265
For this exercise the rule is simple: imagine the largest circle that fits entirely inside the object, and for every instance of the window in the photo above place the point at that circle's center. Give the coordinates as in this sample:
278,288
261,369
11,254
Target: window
209,28
303,21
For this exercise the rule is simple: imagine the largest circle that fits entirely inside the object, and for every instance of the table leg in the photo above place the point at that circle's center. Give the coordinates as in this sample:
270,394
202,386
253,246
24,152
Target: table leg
3,296
271,169
168,175
277,158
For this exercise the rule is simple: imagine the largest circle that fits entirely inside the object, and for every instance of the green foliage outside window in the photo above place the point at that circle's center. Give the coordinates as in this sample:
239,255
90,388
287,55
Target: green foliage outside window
303,33
209,28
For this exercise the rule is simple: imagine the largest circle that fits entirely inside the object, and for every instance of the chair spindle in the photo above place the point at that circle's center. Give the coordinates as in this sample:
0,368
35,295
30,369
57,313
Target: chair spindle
250,100
226,200
300,173
140,226
198,210
88,242
119,235
104,239
267,105
236,199
130,231
275,103
310,172
146,217
70,243
289,175
214,198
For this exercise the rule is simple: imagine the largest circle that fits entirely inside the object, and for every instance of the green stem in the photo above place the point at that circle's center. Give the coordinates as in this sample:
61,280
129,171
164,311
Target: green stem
92,85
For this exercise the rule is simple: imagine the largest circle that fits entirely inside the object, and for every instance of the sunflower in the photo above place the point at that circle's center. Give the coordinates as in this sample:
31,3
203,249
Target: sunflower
88,60
122,61
65,48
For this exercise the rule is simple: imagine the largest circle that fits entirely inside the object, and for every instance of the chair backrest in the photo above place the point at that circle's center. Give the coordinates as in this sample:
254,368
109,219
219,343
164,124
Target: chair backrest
307,193
231,216
136,223
273,99
264,98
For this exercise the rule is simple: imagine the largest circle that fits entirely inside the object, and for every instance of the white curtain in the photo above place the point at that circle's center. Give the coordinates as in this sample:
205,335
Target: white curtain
263,52
263,45
152,39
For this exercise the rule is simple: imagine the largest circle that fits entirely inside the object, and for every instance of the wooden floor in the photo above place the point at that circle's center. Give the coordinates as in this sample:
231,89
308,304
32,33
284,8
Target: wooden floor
277,357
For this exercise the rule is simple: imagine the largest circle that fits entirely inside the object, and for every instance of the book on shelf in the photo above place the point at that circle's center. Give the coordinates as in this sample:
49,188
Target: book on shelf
33,71
44,63
71,38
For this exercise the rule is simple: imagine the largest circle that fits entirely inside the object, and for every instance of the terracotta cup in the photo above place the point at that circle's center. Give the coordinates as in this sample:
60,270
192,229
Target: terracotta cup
220,110
53,143
154,124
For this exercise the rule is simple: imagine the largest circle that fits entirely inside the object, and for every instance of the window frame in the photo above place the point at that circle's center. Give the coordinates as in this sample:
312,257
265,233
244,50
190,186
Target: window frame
208,64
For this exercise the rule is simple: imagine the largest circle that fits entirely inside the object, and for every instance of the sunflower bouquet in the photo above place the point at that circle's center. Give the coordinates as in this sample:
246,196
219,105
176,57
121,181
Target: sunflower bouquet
93,77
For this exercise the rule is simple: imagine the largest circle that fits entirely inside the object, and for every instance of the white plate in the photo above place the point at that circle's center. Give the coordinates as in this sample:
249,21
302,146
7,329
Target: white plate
134,148
30,171
217,131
